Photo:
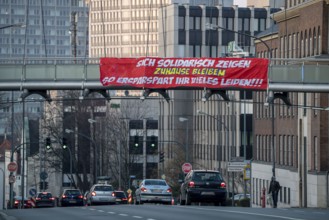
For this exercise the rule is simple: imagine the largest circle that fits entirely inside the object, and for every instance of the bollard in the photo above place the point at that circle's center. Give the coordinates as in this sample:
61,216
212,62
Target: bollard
263,198
129,198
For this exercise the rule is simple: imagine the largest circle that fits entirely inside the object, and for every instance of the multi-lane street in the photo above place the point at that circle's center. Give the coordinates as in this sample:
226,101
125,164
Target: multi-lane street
164,212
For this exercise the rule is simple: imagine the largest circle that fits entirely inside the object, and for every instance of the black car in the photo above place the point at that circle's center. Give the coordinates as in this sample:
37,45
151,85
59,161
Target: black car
121,197
203,186
71,197
44,199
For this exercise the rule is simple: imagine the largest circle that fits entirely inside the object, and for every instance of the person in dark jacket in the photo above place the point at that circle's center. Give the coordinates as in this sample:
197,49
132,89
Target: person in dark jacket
274,190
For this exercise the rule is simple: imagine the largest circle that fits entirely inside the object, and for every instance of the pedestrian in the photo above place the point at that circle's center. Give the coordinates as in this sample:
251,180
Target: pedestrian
274,190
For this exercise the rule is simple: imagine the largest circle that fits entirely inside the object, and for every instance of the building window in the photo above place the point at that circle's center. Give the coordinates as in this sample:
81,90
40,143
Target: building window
181,23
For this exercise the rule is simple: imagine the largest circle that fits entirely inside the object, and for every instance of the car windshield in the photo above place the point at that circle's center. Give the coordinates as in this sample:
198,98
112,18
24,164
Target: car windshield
45,195
155,182
103,188
203,176
72,192
120,194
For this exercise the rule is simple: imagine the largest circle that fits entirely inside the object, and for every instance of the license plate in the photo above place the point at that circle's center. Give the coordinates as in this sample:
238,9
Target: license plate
208,193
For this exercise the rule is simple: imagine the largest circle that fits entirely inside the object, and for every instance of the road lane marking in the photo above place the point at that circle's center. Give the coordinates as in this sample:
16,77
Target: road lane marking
101,210
250,213
135,216
123,214
111,213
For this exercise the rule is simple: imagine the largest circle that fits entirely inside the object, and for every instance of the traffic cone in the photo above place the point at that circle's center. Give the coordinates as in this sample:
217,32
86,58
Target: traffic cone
172,201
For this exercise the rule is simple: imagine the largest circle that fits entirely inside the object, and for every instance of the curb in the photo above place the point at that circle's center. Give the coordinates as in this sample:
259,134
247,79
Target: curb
4,216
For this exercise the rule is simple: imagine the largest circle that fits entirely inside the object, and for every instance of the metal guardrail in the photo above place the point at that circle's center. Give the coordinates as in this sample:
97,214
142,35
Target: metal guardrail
299,75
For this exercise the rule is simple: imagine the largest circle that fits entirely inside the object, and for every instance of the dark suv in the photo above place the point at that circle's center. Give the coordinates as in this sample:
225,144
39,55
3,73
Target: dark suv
203,186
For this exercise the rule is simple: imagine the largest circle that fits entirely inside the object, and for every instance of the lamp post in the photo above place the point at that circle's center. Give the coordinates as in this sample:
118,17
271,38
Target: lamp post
272,99
182,119
71,165
92,141
96,149
219,122
3,188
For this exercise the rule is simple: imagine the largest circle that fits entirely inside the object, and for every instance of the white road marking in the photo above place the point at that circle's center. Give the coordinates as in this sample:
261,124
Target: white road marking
135,216
111,213
250,213
123,214
101,210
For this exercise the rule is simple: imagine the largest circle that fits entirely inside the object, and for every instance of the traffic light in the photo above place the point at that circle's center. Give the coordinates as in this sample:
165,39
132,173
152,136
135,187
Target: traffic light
43,185
48,143
64,142
161,157
136,141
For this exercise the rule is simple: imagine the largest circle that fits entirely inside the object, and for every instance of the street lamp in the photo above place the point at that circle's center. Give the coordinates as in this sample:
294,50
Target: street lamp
270,98
219,122
70,152
96,153
182,119
85,136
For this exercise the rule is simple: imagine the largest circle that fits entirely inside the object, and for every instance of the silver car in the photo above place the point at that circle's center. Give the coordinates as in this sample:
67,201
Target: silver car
101,194
153,191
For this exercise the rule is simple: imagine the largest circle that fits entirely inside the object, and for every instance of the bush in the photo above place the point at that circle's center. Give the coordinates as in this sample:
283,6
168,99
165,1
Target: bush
245,202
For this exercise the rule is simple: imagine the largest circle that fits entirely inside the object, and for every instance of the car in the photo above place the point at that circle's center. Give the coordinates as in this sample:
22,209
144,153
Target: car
71,197
153,191
28,203
101,194
121,197
238,197
207,186
44,199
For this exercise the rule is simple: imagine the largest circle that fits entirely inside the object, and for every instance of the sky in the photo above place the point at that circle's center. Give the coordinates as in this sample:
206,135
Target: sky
241,3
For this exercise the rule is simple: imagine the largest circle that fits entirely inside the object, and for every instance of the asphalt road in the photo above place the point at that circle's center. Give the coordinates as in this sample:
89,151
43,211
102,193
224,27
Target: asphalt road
164,212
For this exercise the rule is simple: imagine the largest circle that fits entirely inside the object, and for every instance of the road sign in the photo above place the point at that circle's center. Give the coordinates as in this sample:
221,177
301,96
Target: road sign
12,179
12,167
43,175
247,172
32,192
236,166
235,169
186,167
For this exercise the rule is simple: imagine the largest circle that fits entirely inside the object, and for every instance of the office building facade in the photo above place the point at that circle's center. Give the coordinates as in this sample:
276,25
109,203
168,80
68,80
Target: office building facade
225,131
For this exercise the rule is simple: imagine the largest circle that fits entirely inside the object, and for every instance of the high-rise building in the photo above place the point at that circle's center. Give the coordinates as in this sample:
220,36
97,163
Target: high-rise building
129,28
31,32
43,29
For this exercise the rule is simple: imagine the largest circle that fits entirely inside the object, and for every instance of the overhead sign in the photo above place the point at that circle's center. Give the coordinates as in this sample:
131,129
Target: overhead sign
186,167
165,73
12,167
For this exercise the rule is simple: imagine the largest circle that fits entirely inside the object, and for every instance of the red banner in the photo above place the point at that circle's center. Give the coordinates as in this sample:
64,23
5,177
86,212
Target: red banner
166,73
